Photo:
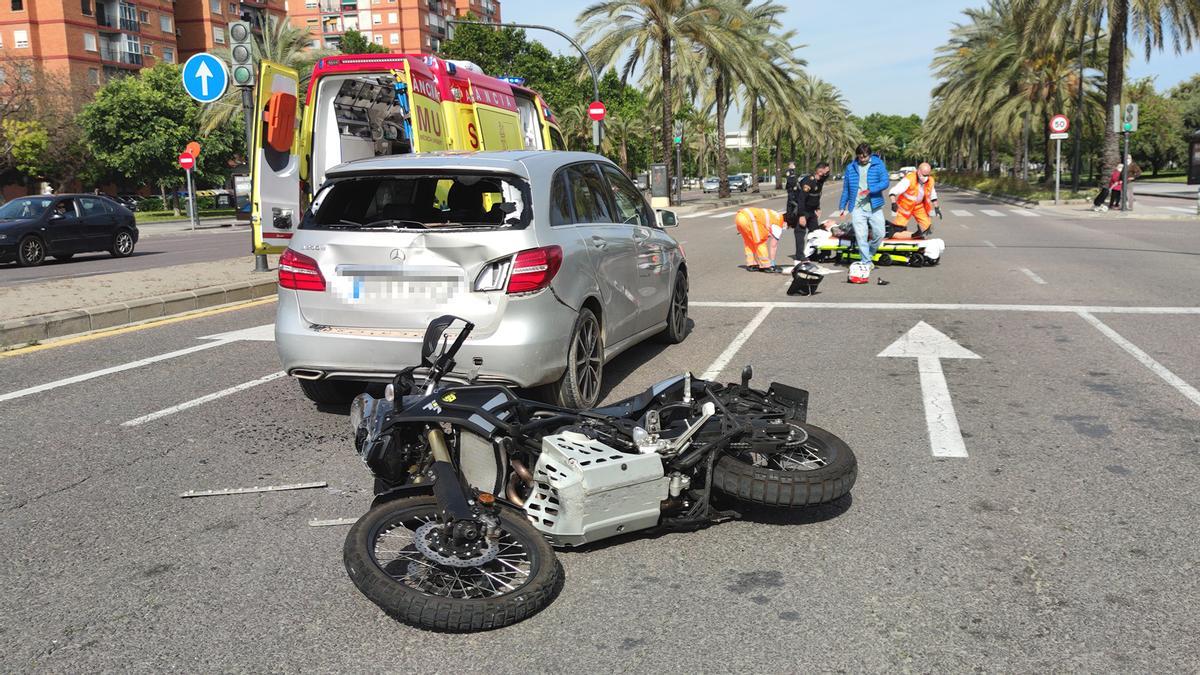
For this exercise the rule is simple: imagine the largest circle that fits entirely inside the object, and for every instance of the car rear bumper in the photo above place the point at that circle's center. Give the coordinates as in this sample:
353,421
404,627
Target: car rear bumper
528,348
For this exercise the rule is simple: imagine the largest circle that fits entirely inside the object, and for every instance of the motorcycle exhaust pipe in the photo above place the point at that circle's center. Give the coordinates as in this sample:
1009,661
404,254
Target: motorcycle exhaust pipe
520,474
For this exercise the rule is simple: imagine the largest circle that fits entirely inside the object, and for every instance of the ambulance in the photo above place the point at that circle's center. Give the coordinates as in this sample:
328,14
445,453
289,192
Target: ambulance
369,105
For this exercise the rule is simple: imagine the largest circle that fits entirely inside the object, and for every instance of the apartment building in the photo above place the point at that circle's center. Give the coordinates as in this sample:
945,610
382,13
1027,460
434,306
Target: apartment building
88,41
204,24
403,26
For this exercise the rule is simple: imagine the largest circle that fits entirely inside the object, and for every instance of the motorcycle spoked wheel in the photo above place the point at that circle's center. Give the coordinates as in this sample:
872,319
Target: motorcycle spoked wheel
820,469
383,561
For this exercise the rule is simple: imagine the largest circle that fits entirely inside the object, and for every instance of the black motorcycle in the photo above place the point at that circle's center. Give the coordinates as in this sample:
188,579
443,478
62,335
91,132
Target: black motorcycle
475,486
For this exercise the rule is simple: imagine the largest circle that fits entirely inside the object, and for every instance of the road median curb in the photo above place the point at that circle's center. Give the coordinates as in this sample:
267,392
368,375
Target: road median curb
38,327
731,201
1007,199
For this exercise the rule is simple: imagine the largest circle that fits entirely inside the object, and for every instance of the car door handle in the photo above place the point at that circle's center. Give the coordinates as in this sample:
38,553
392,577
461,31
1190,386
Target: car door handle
599,242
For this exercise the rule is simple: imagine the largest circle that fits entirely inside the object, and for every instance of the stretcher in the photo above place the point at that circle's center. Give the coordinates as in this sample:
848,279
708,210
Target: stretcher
837,244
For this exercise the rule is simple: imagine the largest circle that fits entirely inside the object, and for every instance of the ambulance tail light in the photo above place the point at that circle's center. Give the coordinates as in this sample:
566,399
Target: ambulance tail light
299,272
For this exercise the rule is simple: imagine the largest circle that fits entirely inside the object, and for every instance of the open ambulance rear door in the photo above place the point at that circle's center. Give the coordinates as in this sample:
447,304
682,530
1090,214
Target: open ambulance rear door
275,171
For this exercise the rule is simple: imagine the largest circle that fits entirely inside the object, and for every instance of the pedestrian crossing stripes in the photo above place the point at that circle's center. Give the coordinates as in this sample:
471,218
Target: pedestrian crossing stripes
688,216
724,215
1180,209
1025,212
994,214
961,213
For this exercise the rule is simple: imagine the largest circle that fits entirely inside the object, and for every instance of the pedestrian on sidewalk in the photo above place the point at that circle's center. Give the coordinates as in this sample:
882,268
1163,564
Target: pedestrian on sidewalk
809,202
863,185
1114,187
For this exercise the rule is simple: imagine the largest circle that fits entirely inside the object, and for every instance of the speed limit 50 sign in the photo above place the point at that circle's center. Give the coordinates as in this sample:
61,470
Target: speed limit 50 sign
1059,124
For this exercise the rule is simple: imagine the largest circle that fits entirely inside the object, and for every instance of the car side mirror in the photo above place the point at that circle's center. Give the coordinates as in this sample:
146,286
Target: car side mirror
666,218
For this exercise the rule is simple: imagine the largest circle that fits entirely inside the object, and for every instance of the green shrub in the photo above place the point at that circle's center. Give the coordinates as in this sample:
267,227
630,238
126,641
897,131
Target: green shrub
150,204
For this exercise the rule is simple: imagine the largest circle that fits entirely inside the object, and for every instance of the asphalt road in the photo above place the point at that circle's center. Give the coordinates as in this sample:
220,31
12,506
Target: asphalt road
152,250
1064,541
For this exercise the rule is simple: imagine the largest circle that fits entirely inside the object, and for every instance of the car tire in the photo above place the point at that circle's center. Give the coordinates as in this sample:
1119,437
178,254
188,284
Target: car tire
332,392
31,251
677,312
64,257
122,246
579,386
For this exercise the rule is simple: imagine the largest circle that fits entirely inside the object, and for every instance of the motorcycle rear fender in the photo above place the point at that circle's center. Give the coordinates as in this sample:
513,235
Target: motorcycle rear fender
793,396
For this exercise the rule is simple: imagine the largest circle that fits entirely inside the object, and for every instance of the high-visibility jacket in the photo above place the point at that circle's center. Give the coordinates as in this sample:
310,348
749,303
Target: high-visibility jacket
911,191
757,224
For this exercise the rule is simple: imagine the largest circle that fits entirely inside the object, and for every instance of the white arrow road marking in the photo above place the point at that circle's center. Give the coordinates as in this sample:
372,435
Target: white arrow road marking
992,213
929,346
1029,273
726,356
202,400
1145,359
204,75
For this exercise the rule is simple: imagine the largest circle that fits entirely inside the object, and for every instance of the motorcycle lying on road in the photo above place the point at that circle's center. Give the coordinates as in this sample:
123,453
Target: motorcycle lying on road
475,486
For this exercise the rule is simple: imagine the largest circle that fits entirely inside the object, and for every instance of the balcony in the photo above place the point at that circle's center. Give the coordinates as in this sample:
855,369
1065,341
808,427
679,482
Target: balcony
114,54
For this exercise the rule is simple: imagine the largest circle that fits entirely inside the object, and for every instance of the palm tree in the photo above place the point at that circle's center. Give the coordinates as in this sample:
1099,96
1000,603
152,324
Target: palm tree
673,32
622,130
1150,20
281,43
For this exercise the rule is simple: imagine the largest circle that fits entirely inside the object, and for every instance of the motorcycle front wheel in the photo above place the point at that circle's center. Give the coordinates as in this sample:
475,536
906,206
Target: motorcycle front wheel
819,469
383,560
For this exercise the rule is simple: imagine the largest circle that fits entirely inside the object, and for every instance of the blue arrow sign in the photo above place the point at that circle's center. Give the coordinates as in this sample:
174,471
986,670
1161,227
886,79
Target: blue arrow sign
205,77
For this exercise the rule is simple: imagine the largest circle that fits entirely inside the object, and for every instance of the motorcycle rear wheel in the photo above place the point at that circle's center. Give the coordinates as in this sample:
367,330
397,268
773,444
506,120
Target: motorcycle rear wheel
822,470
384,563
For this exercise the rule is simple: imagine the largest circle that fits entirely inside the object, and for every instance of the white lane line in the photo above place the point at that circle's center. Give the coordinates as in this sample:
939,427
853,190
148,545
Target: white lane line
701,214
992,213
725,215
961,213
1146,360
726,356
109,371
1180,209
989,243
1029,273
202,400
1025,212
1072,309
964,226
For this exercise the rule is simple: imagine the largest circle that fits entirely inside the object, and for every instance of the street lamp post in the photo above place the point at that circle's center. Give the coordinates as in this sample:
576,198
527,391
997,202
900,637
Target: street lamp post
582,54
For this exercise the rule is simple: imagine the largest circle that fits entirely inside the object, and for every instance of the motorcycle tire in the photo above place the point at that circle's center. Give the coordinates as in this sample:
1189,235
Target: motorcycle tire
760,483
417,591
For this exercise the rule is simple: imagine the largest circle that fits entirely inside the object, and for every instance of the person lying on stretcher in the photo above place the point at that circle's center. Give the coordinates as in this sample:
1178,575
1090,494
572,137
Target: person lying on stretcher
915,197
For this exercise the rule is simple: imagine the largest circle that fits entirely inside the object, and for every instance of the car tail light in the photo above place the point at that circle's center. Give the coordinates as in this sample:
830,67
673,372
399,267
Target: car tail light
300,272
533,269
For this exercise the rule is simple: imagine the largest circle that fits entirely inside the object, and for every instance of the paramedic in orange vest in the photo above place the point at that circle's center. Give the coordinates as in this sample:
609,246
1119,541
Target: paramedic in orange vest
760,230
915,197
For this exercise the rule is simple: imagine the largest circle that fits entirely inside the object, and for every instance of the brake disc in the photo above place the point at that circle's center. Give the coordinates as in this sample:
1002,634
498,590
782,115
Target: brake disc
427,540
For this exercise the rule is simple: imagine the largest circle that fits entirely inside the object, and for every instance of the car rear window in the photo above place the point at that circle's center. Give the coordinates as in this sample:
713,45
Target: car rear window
427,201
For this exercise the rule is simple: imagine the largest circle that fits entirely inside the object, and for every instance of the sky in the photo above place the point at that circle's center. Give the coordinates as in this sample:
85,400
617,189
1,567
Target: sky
877,66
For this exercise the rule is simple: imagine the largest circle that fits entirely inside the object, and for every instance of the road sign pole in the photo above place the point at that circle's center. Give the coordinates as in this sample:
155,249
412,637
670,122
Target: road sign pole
260,259
1125,176
191,200
1057,167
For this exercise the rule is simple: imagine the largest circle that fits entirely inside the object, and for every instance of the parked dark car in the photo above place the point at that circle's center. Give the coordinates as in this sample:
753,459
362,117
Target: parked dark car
60,226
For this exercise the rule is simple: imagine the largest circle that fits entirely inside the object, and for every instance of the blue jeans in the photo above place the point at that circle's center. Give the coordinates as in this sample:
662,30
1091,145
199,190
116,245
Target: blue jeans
864,218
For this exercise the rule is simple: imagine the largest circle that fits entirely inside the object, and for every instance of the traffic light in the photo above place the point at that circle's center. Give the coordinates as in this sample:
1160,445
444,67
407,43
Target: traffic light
1131,117
242,51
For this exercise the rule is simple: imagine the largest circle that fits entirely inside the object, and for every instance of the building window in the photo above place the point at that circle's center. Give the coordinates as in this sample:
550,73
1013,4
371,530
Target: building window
85,6
391,17
164,22
143,16
168,55
93,76
18,5
20,39
89,42
233,9
215,5
378,39
148,49
394,39
218,35
315,44
377,18
310,4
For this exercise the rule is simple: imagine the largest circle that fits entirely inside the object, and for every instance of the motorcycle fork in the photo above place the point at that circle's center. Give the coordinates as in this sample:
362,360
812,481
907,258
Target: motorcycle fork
452,496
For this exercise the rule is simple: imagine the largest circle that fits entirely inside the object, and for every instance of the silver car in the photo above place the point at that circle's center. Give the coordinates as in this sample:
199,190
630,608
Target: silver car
554,256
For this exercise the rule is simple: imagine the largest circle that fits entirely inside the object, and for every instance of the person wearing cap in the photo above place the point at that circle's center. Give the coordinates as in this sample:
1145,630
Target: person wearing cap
863,185
915,197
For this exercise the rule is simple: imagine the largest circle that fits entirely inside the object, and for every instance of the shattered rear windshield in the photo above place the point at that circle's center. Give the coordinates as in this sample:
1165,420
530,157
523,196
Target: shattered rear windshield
444,200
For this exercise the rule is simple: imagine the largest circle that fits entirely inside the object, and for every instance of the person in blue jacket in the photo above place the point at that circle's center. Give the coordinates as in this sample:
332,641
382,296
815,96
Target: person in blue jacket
863,185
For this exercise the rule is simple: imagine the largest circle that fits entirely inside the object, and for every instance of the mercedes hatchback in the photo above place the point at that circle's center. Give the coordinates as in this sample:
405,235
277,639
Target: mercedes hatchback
554,256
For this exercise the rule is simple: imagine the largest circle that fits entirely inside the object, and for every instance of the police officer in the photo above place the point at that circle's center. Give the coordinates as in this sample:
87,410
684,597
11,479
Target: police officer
792,212
808,200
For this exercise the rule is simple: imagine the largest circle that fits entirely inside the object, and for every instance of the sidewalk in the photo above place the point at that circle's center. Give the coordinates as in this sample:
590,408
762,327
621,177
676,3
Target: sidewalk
174,226
50,309
709,203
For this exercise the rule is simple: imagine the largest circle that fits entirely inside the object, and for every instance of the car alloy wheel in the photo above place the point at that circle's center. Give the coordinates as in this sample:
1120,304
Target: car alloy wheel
588,359
124,244
32,251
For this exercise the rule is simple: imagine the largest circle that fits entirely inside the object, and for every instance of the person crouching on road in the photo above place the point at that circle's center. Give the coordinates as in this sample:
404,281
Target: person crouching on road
809,220
863,183
760,230
915,197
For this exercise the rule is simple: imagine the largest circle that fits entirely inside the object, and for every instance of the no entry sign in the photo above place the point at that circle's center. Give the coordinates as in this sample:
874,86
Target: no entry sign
186,161
1059,124
596,111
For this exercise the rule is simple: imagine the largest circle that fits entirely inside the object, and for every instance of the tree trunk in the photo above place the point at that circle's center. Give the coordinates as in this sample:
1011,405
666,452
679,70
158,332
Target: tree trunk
779,161
1049,173
722,155
993,154
1118,24
1025,147
667,112
624,155
754,142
